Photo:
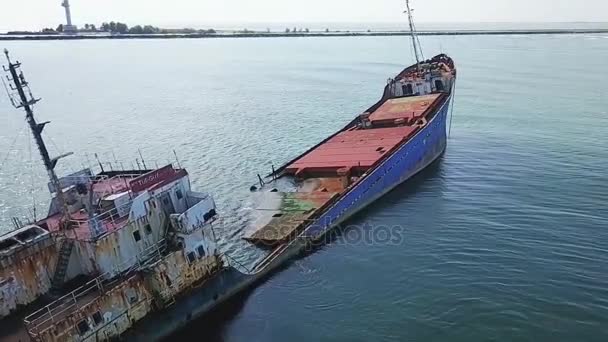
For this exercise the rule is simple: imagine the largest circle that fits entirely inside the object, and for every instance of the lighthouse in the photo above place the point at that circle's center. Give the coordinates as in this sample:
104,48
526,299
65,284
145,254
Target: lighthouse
68,28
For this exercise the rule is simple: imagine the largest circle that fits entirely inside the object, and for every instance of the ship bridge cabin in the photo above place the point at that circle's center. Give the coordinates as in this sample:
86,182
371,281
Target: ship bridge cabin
435,75
117,216
117,220
146,237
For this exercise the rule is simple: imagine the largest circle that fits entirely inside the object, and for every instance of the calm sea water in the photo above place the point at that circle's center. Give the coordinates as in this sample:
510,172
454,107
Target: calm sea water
505,239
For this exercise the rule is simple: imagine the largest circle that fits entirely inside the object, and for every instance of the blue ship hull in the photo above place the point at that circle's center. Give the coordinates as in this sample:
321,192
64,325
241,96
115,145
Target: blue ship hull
411,158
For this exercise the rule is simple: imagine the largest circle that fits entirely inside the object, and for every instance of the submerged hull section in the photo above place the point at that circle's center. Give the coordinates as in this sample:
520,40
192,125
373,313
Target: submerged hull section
216,290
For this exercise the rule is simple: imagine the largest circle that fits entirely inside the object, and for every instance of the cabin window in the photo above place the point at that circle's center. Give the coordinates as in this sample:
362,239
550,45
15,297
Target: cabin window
97,318
167,280
209,215
148,229
439,85
137,236
28,234
179,195
407,89
131,295
83,327
201,251
8,243
191,257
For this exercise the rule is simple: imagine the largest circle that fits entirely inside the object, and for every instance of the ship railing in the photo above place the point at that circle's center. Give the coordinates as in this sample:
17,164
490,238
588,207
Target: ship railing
97,331
228,260
126,178
108,220
114,213
123,175
115,165
72,302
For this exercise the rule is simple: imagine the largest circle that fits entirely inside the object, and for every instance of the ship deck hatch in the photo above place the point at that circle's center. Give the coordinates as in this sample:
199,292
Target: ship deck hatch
354,149
407,108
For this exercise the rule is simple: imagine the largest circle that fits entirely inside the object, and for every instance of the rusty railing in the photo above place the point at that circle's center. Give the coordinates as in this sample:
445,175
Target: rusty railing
59,309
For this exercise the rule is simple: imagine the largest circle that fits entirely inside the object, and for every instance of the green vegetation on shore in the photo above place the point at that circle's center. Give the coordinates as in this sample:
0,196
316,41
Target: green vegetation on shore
114,28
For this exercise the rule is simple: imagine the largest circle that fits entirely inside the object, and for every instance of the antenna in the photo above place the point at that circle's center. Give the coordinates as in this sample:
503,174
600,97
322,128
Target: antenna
179,165
115,160
415,41
99,163
26,102
142,159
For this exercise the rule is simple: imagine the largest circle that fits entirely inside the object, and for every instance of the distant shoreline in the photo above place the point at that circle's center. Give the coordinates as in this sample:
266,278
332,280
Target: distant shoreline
299,34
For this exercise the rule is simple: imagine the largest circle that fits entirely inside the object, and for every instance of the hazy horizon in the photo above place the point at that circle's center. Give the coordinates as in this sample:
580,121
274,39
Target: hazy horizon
354,26
34,15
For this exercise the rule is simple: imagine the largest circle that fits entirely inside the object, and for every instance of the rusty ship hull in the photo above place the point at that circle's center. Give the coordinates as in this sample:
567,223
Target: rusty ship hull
115,249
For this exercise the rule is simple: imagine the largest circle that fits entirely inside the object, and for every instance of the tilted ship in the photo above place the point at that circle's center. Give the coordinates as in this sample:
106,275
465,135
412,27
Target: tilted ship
121,253
386,145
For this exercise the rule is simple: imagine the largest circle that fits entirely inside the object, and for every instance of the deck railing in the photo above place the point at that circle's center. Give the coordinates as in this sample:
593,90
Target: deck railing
106,220
71,302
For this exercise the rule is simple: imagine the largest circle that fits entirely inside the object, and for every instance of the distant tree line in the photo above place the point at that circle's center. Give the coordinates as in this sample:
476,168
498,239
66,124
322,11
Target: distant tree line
122,28
118,28
295,30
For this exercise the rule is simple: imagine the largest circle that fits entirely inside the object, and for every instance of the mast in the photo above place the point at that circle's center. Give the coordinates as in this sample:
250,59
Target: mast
415,42
25,102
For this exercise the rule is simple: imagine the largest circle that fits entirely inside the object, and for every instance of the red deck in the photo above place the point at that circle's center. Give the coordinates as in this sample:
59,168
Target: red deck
407,108
358,148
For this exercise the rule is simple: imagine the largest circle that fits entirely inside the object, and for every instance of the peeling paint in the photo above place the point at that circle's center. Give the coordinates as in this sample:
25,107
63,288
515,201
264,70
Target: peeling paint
136,269
104,313
26,274
99,317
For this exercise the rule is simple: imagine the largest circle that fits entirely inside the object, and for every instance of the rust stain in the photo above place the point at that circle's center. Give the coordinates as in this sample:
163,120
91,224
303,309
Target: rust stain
29,272
106,313
99,316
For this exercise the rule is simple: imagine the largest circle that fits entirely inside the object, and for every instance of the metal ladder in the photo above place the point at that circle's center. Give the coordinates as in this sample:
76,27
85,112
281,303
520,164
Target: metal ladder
62,264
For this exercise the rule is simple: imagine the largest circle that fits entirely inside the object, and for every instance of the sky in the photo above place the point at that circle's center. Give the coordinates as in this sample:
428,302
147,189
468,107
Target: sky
36,14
